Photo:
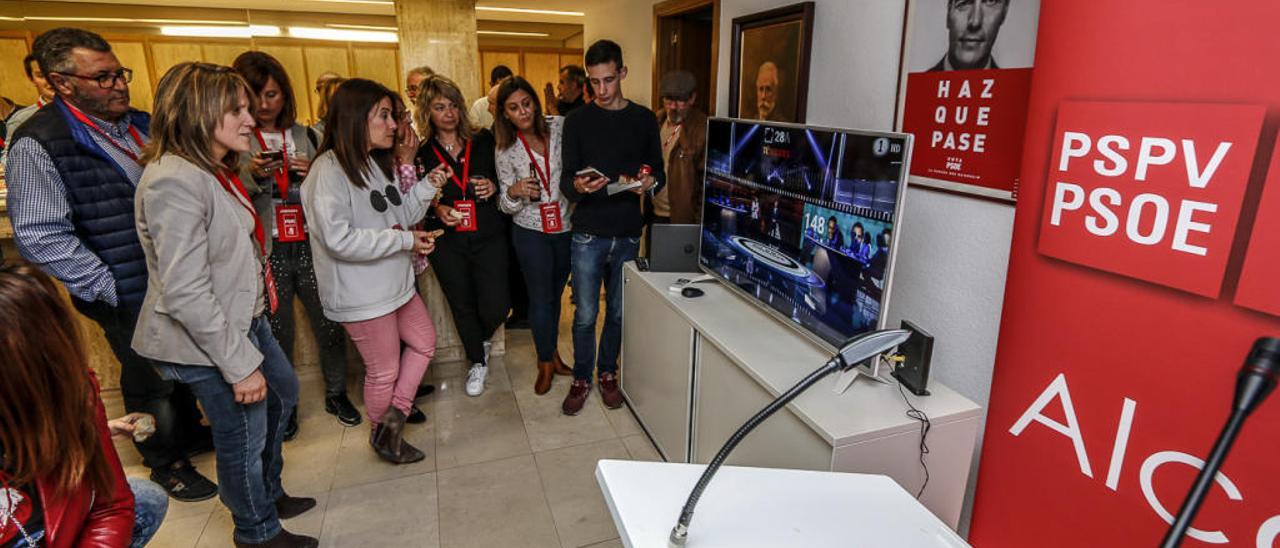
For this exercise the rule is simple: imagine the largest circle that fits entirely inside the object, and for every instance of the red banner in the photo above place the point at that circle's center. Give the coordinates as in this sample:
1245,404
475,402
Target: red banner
1145,261
968,125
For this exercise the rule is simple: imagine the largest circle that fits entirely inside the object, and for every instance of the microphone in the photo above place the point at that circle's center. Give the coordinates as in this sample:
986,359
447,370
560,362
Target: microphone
1255,381
850,354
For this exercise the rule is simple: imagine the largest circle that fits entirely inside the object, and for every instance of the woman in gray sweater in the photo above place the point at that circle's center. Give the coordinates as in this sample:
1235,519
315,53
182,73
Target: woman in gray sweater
363,251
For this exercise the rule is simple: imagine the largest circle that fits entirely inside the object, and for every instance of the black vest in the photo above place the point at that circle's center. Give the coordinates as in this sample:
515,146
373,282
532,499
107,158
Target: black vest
99,193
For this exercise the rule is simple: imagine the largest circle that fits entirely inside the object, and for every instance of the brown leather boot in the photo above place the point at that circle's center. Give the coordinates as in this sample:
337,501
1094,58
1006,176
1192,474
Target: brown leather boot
546,371
561,368
389,442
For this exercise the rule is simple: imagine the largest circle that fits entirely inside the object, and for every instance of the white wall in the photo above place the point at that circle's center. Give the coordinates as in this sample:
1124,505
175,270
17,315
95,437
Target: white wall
953,250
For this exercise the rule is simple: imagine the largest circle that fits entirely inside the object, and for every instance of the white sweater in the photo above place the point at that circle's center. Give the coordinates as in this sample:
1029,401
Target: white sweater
513,165
363,257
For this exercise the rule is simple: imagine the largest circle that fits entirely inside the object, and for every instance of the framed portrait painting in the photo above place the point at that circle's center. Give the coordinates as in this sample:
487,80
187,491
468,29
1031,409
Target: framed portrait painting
769,66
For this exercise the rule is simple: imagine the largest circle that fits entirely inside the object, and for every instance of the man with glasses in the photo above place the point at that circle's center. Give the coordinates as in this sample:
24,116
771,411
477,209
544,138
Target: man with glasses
72,171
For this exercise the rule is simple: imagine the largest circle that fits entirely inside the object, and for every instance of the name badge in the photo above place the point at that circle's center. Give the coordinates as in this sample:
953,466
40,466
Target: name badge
289,223
551,222
466,208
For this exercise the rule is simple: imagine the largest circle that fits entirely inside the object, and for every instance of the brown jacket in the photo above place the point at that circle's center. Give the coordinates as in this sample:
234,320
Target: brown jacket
685,168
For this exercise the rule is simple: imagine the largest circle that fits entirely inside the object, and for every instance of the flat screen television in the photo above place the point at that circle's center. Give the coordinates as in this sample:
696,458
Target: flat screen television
801,221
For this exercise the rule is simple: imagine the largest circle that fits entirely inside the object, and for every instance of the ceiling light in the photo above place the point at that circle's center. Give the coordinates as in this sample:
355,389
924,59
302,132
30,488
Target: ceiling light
533,11
221,32
340,35
361,27
133,20
374,2
512,33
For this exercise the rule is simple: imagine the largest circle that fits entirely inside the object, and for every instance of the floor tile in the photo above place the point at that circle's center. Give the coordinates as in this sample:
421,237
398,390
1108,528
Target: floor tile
400,512
218,532
548,426
492,504
569,480
180,532
641,448
615,543
358,464
480,429
623,421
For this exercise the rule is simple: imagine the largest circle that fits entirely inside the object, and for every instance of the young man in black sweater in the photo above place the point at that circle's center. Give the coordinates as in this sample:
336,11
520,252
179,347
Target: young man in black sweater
620,140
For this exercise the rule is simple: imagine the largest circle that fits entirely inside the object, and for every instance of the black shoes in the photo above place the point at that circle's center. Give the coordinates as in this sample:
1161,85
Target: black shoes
183,482
283,539
340,406
288,507
416,416
388,440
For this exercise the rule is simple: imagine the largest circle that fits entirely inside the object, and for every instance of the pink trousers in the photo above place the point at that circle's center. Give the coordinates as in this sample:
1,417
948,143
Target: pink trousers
392,375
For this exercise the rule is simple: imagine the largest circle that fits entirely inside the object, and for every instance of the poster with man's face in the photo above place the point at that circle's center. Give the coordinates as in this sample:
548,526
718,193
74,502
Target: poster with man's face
969,73
768,72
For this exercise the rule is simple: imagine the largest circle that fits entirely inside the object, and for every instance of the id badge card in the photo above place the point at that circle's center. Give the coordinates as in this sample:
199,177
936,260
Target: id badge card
550,212
466,208
289,223
272,301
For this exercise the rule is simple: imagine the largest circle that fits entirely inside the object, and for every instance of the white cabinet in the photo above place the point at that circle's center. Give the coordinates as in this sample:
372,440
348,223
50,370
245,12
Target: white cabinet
695,369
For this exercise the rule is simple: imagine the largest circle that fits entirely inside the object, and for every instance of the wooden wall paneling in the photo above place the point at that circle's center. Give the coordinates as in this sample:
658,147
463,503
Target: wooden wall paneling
13,78
380,64
295,65
493,58
541,68
224,53
322,59
133,54
166,54
570,59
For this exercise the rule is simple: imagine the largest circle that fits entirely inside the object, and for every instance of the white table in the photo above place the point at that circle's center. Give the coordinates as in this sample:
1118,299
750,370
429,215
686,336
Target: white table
744,507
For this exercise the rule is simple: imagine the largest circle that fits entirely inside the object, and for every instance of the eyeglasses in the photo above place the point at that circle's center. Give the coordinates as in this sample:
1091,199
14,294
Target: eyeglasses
379,203
108,80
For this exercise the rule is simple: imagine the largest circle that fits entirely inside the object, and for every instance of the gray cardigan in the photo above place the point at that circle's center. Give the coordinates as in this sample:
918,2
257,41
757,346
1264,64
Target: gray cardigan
362,256
260,190
205,273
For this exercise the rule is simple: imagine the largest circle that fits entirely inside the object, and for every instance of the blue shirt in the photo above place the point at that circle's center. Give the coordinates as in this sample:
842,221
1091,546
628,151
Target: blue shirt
41,215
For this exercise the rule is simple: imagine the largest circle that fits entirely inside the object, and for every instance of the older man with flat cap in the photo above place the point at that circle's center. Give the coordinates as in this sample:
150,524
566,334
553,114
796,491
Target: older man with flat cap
683,130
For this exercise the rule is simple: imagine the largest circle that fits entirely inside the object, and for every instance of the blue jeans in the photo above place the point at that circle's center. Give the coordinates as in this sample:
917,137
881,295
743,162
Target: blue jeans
246,438
544,260
598,260
150,504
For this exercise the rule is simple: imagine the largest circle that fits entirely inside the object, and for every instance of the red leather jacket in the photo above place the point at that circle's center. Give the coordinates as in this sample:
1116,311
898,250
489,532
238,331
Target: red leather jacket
83,518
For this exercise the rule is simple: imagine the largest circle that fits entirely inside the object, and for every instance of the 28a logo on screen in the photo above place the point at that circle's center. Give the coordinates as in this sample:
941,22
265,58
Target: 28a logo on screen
1151,191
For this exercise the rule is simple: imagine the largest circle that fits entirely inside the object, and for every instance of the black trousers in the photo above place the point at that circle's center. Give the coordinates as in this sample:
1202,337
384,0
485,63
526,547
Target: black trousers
473,273
295,275
178,426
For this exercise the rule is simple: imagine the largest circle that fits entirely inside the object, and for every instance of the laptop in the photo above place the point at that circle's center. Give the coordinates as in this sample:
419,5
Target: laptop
674,248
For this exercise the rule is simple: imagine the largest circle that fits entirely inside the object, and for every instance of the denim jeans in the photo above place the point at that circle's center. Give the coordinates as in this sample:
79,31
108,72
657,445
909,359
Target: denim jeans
598,260
246,438
150,504
544,260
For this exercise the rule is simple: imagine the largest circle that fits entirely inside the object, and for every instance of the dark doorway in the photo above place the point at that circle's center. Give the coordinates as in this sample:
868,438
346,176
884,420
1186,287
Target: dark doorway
686,36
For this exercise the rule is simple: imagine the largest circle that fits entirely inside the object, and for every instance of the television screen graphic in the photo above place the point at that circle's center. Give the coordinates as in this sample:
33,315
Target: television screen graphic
801,220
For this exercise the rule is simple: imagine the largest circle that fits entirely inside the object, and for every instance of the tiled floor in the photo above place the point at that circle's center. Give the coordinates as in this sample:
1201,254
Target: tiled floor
505,469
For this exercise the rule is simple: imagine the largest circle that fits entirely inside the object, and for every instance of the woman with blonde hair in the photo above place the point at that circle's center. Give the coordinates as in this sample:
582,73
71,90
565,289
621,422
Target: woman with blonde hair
204,319
324,90
471,261
364,248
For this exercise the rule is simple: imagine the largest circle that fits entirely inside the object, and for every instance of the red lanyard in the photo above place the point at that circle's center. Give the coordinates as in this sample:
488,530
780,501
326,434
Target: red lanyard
282,176
242,196
546,158
133,132
675,134
466,167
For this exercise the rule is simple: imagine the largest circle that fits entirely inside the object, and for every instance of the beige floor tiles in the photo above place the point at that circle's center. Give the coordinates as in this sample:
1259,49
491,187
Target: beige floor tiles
492,504
623,421
480,429
402,512
641,448
614,543
358,464
549,428
180,532
568,478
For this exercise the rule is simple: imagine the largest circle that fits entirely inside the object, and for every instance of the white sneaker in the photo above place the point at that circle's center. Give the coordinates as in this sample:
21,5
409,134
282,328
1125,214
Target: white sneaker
475,379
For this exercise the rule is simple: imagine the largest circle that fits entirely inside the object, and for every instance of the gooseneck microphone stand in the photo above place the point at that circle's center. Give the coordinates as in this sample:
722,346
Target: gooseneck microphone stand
850,355
1254,383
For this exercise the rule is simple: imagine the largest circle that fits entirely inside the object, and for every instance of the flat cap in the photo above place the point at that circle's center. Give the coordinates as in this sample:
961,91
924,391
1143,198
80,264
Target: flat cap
677,83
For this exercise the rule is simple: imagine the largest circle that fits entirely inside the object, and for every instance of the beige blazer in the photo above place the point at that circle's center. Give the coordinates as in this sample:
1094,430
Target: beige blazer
205,274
